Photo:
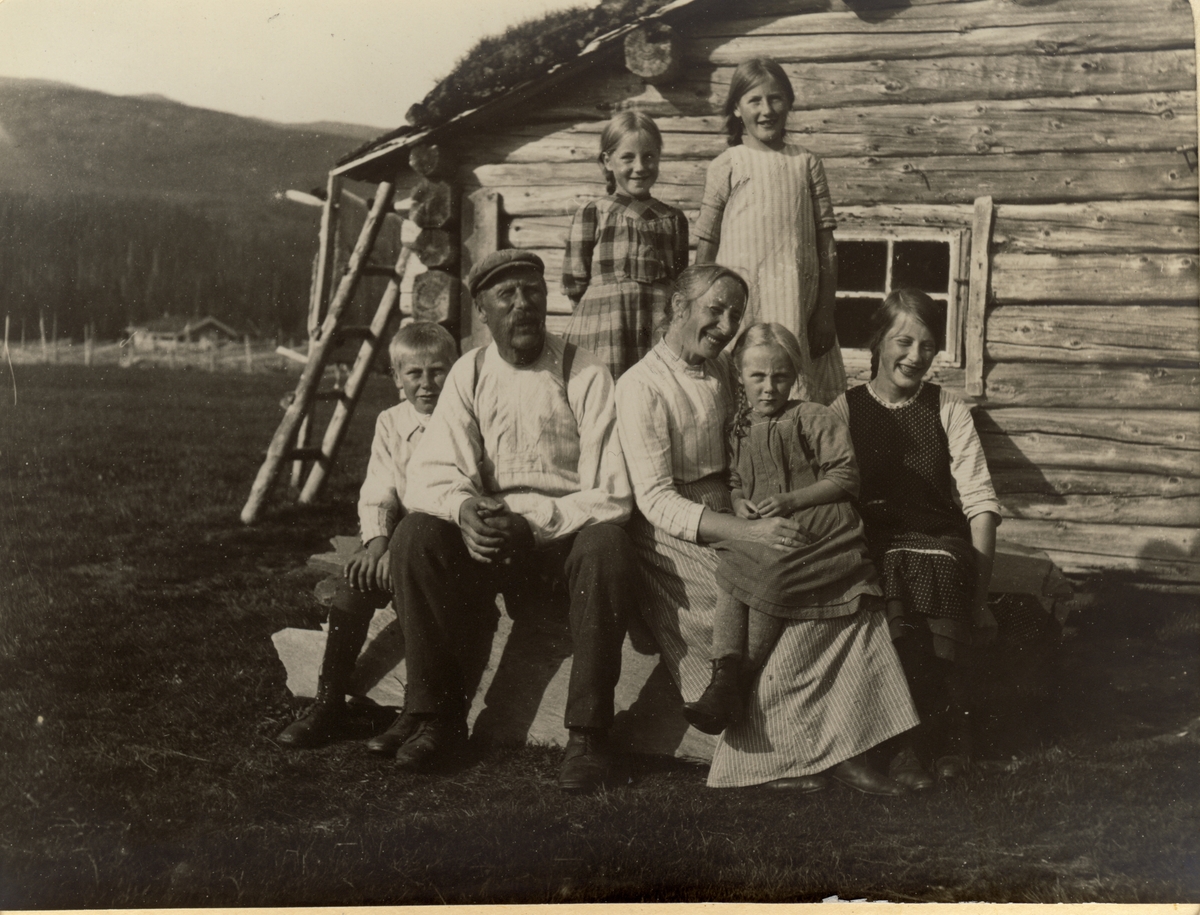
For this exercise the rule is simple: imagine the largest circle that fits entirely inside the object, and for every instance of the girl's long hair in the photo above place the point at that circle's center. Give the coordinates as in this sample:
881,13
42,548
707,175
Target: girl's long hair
907,302
624,123
761,335
750,73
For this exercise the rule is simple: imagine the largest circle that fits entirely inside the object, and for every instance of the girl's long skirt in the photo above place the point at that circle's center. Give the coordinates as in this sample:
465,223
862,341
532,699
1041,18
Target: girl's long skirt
830,689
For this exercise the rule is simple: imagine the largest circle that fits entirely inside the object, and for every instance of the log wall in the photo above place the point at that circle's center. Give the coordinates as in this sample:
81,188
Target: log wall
1078,117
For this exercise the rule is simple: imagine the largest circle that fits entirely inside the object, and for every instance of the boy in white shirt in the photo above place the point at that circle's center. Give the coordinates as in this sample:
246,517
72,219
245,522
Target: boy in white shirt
421,355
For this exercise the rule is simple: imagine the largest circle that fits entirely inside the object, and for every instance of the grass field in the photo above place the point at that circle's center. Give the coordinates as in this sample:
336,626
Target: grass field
139,695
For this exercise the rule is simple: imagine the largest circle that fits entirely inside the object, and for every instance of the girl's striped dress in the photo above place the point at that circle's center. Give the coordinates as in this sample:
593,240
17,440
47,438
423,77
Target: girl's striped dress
622,257
764,209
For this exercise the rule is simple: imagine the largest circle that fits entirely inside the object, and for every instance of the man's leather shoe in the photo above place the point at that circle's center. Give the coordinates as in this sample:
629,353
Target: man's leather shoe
588,762
391,740
435,745
800,784
857,774
907,770
949,768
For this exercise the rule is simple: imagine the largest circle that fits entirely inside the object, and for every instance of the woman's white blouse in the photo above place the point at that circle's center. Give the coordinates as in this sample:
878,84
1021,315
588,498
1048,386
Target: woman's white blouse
673,420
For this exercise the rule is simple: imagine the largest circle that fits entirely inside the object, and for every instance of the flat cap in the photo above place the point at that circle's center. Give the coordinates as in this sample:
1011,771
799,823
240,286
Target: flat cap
499,262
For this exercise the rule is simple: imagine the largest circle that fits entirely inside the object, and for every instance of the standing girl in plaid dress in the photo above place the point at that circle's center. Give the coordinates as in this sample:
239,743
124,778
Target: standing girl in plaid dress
624,250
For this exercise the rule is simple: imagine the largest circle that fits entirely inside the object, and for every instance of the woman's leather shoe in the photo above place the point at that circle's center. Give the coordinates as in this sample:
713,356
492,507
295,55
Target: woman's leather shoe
857,774
907,770
801,784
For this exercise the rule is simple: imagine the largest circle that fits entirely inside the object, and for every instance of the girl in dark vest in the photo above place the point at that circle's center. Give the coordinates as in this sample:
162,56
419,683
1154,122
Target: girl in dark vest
931,514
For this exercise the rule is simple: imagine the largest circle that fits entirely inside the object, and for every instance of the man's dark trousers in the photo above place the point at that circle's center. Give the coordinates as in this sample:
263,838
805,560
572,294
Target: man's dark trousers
440,586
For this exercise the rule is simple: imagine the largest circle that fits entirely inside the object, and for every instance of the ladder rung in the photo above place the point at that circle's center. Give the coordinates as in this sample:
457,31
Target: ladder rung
305,454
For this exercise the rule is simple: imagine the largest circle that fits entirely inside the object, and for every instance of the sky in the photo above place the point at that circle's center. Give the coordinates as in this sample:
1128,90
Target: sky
295,61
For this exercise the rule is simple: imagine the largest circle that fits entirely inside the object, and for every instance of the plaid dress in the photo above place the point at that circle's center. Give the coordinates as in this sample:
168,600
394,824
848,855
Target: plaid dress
622,257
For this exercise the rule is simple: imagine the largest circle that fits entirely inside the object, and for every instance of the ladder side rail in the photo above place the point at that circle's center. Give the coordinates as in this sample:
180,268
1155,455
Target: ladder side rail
356,382
310,378
318,295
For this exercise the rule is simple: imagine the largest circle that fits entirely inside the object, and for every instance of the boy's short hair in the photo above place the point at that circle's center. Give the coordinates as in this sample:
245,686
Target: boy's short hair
423,337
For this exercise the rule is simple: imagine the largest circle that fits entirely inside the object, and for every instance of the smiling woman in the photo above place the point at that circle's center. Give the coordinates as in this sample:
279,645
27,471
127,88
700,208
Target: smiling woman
675,410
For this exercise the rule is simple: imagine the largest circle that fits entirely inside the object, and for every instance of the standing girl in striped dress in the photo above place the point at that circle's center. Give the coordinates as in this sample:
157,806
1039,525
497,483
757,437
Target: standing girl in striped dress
624,250
768,215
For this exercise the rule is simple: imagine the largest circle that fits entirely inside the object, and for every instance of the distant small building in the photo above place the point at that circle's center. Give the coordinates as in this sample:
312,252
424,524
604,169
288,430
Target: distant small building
170,332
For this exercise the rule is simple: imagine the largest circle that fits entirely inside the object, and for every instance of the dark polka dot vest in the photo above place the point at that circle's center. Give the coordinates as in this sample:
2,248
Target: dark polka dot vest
904,458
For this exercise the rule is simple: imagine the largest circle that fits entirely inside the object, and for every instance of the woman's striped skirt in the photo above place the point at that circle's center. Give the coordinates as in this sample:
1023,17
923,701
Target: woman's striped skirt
830,689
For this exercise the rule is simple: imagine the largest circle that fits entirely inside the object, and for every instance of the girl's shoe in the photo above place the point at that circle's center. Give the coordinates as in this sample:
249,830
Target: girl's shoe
906,769
721,704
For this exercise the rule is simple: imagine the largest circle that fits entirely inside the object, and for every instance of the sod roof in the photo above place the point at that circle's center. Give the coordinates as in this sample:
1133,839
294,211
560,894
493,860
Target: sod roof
523,54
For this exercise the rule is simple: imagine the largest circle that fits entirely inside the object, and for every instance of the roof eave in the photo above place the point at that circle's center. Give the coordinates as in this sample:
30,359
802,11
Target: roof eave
378,163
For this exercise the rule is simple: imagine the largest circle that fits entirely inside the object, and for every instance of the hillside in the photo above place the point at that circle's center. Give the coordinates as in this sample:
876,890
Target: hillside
122,208
58,139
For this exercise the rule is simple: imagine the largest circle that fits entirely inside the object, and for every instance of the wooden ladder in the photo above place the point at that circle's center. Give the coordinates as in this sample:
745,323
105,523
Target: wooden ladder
291,439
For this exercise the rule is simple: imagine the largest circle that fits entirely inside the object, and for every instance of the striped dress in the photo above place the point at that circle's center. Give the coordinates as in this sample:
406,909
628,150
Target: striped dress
622,257
831,688
764,208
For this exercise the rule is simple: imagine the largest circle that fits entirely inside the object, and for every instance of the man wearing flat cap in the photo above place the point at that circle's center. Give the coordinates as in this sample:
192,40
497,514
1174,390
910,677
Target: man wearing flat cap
518,487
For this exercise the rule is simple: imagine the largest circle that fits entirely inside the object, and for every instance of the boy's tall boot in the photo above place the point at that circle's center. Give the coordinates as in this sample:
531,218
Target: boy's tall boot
721,703
326,719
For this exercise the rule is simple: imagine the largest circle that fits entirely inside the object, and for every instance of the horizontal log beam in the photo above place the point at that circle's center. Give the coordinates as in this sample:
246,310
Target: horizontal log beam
1104,509
1166,429
1171,553
1052,483
437,248
947,79
435,297
982,27
551,231
533,190
1129,334
435,205
1091,386
1073,278
1044,449
1111,227
756,8
701,91
1143,121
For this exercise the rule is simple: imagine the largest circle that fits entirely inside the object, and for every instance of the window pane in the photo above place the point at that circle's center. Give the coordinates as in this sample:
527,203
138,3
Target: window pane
862,265
853,318
923,265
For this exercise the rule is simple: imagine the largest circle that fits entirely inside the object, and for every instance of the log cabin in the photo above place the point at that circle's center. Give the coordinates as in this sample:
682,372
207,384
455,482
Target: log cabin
1030,163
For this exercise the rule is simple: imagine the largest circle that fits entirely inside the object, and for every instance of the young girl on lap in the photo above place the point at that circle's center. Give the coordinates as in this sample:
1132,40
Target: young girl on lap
625,250
768,215
791,459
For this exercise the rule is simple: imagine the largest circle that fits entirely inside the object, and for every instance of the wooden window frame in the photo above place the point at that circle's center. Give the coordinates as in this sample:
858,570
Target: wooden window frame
959,240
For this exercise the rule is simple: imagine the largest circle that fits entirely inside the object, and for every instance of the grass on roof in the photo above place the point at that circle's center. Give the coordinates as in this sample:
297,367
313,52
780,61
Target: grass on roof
523,52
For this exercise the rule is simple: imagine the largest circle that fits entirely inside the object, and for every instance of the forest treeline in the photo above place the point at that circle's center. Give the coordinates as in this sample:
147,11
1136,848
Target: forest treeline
113,262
